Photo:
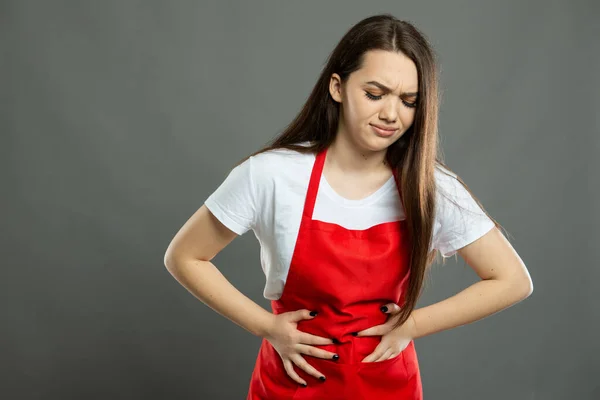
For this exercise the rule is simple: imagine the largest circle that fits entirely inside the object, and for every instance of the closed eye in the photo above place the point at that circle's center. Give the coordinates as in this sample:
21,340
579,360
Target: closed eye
374,98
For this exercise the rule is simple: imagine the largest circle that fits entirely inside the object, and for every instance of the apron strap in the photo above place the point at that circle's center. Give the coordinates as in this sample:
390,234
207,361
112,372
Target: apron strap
313,185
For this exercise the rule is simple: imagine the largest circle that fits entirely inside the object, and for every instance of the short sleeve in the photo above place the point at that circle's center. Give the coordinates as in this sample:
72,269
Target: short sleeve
233,202
459,220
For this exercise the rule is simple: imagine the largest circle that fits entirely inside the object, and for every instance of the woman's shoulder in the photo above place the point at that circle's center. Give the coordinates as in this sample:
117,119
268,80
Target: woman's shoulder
453,198
459,217
281,161
283,152
447,182
279,171
443,175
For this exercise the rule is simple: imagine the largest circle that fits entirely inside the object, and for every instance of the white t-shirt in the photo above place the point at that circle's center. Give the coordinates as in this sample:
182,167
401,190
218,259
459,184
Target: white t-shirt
266,193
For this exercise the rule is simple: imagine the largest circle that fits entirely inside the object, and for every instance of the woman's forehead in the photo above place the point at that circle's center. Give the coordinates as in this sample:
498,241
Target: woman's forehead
389,69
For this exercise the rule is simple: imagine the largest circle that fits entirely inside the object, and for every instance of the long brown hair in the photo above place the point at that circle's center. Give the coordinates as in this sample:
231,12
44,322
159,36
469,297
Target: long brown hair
414,156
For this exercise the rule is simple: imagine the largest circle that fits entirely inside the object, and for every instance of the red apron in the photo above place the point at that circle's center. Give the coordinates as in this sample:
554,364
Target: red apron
346,276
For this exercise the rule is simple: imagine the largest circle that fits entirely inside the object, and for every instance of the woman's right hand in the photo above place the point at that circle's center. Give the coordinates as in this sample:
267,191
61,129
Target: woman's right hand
290,343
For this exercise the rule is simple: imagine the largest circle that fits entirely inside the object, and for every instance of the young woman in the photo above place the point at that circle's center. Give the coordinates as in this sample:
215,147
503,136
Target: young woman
351,204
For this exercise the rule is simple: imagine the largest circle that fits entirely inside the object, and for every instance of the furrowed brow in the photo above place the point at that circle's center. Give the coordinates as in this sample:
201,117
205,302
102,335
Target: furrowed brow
387,89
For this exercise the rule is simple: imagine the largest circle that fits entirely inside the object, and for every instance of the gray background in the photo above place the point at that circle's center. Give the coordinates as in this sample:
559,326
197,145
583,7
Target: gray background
119,118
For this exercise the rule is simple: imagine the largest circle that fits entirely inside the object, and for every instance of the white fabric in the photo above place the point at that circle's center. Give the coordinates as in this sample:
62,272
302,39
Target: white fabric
266,193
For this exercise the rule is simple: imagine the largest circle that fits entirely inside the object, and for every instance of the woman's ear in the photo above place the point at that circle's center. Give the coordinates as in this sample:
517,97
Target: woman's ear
335,87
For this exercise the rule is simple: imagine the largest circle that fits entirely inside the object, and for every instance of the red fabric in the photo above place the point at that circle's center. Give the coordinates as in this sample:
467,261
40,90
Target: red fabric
346,276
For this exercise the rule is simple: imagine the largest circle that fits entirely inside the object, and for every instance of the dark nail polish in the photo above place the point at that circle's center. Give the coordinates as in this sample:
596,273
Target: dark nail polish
384,308
303,384
354,333
322,378
335,341
313,313
335,357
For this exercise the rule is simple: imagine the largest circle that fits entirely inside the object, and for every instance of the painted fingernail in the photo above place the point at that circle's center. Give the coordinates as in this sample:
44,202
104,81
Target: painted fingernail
322,378
384,308
303,384
354,333
335,341
313,313
335,357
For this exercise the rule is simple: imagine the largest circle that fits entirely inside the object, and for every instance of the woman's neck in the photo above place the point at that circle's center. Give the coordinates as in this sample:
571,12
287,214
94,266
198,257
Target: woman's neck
344,156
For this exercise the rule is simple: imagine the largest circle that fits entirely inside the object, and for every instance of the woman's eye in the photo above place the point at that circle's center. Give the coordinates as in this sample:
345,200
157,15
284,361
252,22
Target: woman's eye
374,97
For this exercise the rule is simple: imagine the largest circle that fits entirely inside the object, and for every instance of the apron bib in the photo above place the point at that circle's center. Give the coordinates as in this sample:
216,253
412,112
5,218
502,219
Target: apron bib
346,276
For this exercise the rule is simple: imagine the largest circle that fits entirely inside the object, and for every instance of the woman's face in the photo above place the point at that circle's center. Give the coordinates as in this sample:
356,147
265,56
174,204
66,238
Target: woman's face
382,93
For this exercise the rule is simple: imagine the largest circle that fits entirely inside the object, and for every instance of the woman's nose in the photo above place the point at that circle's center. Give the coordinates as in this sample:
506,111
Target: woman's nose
389,112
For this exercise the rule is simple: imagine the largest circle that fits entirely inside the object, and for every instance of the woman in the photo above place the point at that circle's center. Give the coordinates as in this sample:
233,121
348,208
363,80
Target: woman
343,251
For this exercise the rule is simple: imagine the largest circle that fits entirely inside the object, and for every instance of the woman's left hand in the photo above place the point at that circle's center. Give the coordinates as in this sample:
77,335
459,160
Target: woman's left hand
393,340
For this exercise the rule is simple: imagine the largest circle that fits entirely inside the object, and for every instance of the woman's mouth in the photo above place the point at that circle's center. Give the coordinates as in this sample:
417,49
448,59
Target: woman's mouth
384,132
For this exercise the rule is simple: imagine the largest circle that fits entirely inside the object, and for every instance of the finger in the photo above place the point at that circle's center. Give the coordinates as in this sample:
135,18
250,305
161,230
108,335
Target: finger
391,308
377,330
306,367
289,368
316,352
376,354
299,315
307,338
386,355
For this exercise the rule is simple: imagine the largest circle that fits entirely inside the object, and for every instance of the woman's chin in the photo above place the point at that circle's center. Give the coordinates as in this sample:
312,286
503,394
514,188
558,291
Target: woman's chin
376,143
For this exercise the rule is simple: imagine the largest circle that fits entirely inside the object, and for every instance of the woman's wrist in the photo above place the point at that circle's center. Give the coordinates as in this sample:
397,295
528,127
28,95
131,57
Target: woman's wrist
263,329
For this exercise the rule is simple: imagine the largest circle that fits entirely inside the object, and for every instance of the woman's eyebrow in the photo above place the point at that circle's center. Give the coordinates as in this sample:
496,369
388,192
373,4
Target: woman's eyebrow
387,89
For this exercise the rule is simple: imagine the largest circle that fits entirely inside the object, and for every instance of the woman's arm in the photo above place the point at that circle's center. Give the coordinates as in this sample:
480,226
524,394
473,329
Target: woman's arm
504,281
188,259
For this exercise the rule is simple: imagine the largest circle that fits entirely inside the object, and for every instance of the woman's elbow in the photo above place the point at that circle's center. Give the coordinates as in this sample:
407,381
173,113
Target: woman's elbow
524,287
